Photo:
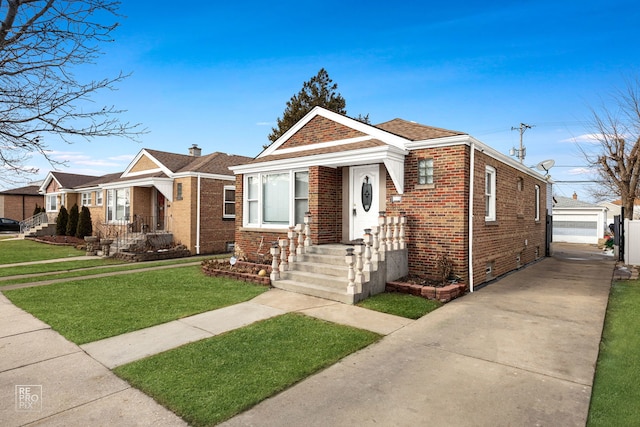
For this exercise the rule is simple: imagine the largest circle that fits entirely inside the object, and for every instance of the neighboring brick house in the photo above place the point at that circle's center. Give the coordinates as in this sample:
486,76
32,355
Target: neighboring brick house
488,222
20,203
191,196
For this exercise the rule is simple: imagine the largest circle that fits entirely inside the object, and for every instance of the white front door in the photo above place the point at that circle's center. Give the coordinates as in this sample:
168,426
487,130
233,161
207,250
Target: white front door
364,199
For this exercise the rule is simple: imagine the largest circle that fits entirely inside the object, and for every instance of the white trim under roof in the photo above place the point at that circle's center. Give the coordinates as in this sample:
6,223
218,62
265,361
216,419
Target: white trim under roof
144,152
391,156
374,132
164,185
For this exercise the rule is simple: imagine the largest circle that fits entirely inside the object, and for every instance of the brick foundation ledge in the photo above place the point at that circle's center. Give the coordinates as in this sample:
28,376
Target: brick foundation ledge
442,293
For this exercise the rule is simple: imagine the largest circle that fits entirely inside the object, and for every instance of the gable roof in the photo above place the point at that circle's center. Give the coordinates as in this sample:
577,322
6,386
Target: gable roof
216,163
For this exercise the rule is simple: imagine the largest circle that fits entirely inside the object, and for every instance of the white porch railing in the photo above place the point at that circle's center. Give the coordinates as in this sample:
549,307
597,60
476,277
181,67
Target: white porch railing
365,255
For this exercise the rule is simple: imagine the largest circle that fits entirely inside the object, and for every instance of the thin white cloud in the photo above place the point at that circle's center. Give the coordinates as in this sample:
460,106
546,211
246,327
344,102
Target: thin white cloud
265,124
579,171
123,158
587,137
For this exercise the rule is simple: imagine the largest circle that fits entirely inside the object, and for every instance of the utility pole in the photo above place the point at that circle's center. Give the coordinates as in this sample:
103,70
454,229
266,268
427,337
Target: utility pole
520,153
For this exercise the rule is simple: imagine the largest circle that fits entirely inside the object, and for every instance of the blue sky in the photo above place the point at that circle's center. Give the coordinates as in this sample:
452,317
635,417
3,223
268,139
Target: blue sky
219,75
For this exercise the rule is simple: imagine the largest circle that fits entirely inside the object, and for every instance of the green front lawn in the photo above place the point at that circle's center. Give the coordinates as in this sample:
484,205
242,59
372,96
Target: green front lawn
404,305
92,309
616,389
14,251
212,380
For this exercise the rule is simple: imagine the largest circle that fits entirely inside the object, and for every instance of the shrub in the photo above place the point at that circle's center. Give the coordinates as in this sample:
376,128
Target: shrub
72,223
85,227
61,221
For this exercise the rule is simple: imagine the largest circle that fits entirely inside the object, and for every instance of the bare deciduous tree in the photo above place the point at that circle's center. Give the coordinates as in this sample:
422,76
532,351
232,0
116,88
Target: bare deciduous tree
616,152
41,43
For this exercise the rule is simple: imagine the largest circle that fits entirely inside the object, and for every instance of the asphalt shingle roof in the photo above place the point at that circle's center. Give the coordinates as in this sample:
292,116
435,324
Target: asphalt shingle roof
29,190
415,131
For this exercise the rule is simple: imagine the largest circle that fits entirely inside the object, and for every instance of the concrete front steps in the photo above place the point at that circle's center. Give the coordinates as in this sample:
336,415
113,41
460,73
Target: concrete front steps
320,272
40,230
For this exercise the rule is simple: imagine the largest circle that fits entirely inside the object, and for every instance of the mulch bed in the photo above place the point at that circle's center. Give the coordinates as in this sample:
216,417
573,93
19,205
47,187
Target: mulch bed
59,240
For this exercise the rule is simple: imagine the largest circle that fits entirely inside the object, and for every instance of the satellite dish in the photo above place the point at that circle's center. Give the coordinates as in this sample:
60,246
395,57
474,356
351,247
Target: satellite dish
545,165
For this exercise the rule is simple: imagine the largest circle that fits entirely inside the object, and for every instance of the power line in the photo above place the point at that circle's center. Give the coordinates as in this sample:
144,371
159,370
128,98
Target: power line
521,152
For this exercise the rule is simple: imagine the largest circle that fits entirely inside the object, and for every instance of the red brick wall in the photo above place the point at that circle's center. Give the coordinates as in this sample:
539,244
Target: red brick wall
325,204
436,215
18,206
515,231
320,129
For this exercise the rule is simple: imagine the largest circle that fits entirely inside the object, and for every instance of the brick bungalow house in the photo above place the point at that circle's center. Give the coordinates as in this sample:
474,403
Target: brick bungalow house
455,196
19,203
190,196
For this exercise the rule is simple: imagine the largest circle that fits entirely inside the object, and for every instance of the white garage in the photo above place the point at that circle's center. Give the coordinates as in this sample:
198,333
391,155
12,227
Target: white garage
575,221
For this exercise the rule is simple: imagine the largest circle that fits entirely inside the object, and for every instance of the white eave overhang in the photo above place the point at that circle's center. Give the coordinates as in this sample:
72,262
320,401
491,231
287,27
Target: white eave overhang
391,156
164,185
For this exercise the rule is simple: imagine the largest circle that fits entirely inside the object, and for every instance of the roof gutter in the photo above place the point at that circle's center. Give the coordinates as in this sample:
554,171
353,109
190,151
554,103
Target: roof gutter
472,164
198,220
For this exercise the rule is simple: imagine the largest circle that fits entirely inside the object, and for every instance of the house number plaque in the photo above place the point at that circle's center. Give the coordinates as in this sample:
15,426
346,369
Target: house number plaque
367,194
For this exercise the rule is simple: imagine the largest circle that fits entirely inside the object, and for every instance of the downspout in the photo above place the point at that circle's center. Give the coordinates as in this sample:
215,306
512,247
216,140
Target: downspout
198,220
472,164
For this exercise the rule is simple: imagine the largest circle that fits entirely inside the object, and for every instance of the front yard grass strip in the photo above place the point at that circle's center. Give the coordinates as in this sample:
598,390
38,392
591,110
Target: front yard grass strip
616,390
404,305
14,251
71,269
92,309
212,380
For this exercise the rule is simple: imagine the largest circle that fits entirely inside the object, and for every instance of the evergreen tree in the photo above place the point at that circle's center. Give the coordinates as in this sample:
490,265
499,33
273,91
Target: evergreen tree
85,228
72,223
61,221
318,91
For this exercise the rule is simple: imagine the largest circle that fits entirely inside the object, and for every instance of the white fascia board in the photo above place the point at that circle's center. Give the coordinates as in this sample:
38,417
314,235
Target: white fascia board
161,168
321,145
45,183
204,175
480,146
334,160
143,182
374,132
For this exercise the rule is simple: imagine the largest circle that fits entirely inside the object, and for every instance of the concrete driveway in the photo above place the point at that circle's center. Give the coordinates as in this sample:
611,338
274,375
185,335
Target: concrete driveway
520,351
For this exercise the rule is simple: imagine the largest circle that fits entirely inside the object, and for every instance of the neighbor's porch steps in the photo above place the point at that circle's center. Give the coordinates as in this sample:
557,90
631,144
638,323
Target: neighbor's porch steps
40,230
320,272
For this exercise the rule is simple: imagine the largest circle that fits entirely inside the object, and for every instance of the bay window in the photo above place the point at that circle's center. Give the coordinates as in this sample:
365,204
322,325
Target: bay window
276,199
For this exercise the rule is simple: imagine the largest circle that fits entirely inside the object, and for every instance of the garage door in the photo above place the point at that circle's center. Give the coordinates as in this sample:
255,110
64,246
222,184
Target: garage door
575,228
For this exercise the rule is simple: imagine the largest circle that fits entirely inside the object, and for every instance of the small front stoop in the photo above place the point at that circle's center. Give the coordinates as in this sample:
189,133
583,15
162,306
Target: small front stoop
320,272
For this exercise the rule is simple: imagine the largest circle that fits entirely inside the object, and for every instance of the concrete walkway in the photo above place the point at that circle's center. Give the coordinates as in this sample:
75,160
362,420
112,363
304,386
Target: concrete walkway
520,351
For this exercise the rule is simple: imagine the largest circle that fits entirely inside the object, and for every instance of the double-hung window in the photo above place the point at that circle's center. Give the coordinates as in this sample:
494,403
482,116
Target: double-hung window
490,194
276,199
86,198
52,203
229,210
118,204
99,197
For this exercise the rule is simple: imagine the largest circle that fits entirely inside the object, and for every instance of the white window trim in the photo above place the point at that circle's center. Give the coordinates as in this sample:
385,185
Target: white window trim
85,197
48,204
114,207
99,198
490,213
225,201
537,203
245,200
